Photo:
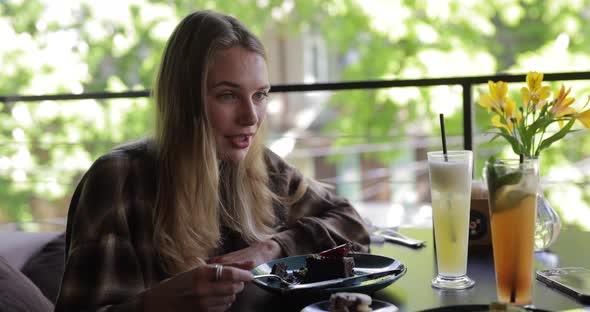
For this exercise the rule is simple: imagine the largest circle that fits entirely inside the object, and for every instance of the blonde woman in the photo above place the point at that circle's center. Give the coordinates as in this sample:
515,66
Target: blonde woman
176,222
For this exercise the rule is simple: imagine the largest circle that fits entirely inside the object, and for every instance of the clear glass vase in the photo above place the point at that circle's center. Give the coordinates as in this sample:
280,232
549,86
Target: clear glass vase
548,223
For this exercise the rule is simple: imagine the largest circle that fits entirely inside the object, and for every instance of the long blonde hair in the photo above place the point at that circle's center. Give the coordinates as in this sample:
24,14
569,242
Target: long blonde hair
197,193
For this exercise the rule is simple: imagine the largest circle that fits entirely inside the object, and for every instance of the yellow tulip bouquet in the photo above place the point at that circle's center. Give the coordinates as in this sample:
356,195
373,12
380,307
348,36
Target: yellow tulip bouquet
525,128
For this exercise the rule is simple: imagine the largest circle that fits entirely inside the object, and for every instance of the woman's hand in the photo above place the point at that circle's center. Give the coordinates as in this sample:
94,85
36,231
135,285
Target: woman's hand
198,290
256,254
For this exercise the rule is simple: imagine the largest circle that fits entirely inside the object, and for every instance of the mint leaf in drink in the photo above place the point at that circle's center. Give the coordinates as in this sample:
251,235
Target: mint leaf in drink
497,176
490,175
508,179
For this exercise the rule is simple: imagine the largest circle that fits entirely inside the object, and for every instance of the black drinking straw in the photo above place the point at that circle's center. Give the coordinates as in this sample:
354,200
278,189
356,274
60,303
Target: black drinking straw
441,117
446,157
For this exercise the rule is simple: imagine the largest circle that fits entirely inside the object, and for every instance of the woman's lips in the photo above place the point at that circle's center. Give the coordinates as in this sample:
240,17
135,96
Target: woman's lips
240,141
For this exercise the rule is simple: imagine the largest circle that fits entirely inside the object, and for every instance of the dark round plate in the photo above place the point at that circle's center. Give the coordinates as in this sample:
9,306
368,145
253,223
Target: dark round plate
376,305
363,264
479,308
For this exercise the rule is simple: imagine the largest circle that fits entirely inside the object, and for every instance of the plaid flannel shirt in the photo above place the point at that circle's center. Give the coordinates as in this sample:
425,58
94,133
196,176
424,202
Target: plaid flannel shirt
110,257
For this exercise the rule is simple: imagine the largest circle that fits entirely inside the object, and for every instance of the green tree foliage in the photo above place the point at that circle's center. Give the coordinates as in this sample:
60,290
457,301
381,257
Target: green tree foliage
90,46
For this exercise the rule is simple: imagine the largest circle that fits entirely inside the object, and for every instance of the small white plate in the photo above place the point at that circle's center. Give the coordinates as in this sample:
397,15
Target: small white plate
376,305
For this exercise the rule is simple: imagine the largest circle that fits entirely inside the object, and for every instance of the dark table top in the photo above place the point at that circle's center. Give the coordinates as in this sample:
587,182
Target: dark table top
413,291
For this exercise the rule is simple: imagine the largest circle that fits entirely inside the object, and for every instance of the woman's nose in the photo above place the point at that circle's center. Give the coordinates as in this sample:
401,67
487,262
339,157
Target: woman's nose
247,115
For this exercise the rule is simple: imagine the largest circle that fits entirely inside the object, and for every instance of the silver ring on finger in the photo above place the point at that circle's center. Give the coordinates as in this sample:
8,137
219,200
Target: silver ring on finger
218,271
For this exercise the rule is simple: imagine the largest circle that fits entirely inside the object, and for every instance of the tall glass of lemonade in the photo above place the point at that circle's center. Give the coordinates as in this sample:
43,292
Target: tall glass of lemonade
450,189
512,187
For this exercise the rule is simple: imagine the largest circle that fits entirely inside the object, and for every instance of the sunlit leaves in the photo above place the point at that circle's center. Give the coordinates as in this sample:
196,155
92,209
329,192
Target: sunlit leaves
95,46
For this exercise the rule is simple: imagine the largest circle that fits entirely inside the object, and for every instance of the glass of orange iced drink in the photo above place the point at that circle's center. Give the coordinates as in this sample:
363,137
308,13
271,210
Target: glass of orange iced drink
512,187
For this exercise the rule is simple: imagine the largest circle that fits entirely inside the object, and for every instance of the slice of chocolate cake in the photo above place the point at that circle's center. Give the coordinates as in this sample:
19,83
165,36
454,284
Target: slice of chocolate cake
321,268
280,269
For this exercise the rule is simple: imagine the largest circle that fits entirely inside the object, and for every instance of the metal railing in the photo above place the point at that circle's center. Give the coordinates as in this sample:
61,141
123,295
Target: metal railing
466,84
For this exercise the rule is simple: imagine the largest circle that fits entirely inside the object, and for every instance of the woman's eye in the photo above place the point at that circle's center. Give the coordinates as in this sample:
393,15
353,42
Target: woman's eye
227,96
260,96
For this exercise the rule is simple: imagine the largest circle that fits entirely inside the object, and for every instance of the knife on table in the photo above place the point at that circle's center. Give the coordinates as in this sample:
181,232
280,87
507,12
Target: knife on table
396,237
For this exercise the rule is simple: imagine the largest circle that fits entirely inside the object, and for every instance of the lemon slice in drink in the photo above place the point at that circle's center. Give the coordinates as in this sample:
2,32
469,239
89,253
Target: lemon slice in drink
508,198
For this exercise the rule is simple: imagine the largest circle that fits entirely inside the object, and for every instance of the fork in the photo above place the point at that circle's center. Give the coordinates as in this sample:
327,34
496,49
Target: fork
284,282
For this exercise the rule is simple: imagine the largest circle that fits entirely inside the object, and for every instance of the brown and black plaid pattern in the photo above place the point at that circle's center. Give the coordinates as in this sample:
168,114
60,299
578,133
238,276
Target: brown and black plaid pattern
111,260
